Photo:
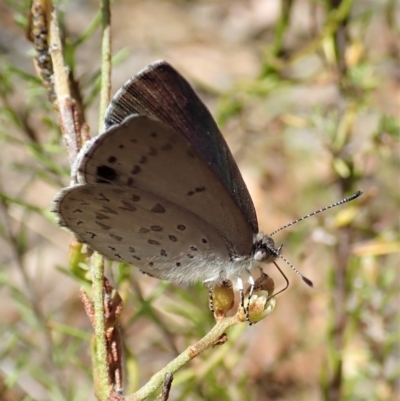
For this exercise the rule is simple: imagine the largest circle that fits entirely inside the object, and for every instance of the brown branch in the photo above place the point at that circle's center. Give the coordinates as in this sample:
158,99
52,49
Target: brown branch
68,114
166,388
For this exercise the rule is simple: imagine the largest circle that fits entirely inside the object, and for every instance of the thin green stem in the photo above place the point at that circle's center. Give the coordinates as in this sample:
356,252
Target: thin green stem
100,348
281,26
105,61
208,341
103,383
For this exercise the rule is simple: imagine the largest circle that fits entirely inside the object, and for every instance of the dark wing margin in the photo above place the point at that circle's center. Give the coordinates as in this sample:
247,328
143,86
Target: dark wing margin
161,92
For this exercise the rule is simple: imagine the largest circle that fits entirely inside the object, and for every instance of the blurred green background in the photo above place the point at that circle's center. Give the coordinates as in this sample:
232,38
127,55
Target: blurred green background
307,94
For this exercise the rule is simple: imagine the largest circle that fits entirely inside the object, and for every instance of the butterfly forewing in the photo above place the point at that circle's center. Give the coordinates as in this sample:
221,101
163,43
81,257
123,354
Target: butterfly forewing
161,92
145,154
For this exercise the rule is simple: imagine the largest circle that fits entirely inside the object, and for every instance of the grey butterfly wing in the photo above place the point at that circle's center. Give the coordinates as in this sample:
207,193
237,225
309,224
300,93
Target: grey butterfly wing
140,228
161,92
147,155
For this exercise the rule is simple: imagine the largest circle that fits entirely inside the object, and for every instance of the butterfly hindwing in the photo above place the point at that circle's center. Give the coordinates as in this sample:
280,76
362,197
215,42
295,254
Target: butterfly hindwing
143,229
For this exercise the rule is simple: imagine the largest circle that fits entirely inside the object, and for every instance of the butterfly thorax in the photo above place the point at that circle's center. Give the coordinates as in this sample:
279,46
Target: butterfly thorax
264,248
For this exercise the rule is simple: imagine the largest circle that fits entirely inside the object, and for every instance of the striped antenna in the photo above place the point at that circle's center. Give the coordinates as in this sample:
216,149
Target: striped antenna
304,278
345,200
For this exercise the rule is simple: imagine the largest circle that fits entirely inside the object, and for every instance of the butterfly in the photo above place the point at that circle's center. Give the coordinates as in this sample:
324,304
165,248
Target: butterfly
160,189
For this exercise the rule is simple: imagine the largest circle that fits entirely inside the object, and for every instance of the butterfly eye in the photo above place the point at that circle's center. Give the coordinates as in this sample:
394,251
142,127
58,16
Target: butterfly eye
264,249
264,254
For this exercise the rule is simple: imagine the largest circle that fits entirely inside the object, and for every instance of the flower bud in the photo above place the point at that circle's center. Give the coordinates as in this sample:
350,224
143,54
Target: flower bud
78,264
260,303
264,283
223,298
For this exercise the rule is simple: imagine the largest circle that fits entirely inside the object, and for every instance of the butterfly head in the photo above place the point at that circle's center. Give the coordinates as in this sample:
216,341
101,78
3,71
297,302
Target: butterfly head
264,248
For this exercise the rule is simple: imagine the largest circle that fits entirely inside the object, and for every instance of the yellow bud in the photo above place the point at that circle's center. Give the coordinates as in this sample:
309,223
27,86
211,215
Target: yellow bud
223,298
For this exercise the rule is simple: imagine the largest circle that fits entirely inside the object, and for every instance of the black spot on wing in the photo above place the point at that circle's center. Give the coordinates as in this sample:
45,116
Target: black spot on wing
136,169
102,197
157,208
197,190
101,216
107,173
127,206
103,226
116,237
109,210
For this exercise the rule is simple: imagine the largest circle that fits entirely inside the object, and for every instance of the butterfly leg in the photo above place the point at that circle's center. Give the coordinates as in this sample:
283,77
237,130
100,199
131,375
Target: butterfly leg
210,294
239,287
210,300
251,290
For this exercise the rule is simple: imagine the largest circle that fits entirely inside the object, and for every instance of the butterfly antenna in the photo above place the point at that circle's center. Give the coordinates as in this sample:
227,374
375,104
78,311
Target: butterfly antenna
304,278
341,202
